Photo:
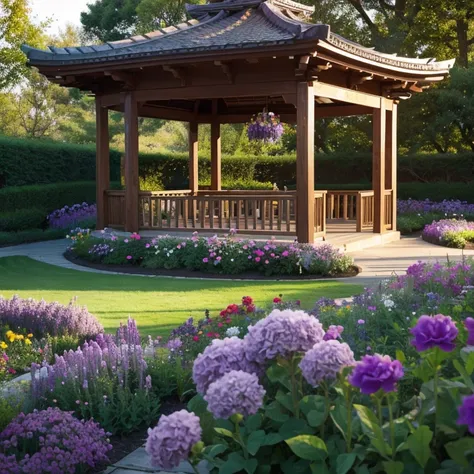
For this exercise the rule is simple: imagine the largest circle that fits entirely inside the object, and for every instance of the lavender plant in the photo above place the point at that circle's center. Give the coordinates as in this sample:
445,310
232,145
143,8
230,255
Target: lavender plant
73,216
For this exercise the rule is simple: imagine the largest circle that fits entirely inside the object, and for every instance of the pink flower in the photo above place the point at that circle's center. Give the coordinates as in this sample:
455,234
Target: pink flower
257,259
266,262
195,338
205,260
277,300
147,246
218,259
219,325
178,246
285,253
129,257
272,255
126,241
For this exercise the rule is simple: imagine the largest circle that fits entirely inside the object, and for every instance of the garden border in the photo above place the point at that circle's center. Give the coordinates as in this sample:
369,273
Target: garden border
185,273
468,246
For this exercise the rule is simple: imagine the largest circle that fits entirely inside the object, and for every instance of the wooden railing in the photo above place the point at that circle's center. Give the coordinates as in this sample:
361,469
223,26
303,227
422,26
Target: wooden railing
365,211
249,211
388,209
342,204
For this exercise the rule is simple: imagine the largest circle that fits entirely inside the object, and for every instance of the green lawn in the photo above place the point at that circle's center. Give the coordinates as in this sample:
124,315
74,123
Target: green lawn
158,304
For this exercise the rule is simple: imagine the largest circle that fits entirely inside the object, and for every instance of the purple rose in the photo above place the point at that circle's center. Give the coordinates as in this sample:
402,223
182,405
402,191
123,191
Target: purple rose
469,324
466,413
172,439
375,372
333,332
434,331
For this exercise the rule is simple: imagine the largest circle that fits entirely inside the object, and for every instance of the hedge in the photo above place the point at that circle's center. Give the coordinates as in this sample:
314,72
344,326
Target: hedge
47,197
24,162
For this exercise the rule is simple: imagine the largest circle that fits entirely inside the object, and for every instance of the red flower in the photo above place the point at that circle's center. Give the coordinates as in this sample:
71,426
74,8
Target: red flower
277,300
232,308
228,321
196,338
223,313
219,325
210,334
251,308
247,300
298,302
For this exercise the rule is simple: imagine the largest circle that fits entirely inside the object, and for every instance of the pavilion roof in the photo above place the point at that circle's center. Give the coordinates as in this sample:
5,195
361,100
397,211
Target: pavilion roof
226,26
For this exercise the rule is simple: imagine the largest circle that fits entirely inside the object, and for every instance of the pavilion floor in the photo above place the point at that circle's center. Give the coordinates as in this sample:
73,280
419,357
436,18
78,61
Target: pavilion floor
340,233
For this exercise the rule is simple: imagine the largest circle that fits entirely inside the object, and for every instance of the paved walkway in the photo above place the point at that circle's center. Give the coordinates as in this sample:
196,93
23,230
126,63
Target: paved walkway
377,262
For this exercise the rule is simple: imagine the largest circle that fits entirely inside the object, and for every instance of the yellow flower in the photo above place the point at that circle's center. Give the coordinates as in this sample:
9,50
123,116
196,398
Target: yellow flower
12,338
29,335
10,333
3,345
20,337
27,342
200,332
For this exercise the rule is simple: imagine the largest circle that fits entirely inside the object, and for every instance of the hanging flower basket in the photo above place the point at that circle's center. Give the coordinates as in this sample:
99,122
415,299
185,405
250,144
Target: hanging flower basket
265,126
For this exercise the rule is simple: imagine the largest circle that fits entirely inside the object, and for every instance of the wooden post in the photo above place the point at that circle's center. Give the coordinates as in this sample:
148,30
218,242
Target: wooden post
193,157
215,149
131,163
102,162
305,163
378,167
391,161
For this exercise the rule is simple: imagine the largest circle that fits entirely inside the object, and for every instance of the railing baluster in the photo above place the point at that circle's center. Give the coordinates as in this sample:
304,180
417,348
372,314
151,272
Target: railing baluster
211,214
246,214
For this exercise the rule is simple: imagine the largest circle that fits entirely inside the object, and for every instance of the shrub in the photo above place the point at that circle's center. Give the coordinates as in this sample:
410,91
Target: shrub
105,379
52,441
31,235
43,319
12,402
22,219
449,232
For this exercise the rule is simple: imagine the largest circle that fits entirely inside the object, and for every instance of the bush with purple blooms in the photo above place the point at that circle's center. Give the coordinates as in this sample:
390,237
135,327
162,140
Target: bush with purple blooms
105,379
52,441
450,232
83,215
227,255
288,399
48,319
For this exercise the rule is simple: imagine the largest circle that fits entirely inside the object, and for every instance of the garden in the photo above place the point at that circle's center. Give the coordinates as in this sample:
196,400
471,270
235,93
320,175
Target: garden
382,383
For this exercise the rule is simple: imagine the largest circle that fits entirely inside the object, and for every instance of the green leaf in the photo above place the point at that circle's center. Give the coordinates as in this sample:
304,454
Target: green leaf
362,470
271,439
319,468
224,432
312,402
274,412
344,462
294,427
463,372
251,465
308,447
419,444
264,469
315,418
254,441
400,356
279,374
286,400
216,450
253,422
339,417
393,467
198,405
369,420
235,463
457,450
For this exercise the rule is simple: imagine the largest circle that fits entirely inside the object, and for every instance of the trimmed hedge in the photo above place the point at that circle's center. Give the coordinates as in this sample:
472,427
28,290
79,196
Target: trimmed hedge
23,219
31,235
25,162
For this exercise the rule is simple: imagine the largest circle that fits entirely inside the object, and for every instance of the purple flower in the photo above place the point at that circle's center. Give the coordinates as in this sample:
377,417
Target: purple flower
236,392
361,322
375,372
372,308
219,358
325,360
469,324
281,333
72,216
334,332
466,413
171,441
434,331
174,344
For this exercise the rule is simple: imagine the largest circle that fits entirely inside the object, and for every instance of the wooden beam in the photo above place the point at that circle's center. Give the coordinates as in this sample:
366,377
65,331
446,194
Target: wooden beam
165,113
131,163
215,148
378,167
353,97
391,160
102,163
128,79
305,163
178,73
227,70
193,157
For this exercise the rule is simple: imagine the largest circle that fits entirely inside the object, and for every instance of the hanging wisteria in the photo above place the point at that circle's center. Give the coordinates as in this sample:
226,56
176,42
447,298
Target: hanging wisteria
265,126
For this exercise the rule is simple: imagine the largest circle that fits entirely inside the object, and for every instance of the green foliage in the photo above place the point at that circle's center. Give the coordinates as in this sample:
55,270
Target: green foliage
12,403
458,239
31,235
23,219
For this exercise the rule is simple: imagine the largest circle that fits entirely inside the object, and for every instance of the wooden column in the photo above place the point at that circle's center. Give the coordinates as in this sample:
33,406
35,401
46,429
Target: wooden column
378,167
131,163
215,149
391,160
193,157
305,163
102,162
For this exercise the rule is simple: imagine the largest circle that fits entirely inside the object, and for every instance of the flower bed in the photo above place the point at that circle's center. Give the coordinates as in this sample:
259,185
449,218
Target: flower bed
73,216
450,232
229,255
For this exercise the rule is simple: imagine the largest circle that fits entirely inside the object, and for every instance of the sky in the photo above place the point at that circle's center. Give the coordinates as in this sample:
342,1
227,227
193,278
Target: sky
60,11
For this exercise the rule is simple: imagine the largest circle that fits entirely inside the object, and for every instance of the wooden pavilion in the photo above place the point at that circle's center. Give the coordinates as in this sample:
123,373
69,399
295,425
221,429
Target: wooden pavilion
232,59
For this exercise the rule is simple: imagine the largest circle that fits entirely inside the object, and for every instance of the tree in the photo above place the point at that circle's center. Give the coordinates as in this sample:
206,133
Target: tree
16,29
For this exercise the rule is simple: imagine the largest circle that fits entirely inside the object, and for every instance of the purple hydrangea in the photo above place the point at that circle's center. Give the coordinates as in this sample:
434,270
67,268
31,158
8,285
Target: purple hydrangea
469,324
171,441
236,392
220,357
9,464
42,318
466,413
54,441
325,360
281,333
333,332
375,372
434,331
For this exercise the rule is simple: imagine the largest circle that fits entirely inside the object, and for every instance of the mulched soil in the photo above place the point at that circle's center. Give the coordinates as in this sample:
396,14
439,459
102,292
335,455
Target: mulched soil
469,245
184,273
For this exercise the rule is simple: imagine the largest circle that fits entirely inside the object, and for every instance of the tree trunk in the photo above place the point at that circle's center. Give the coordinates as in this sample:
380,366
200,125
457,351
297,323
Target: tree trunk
463,42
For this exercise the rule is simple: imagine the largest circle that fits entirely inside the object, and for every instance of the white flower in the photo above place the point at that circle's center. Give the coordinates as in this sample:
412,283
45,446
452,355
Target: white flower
388,303
233,331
